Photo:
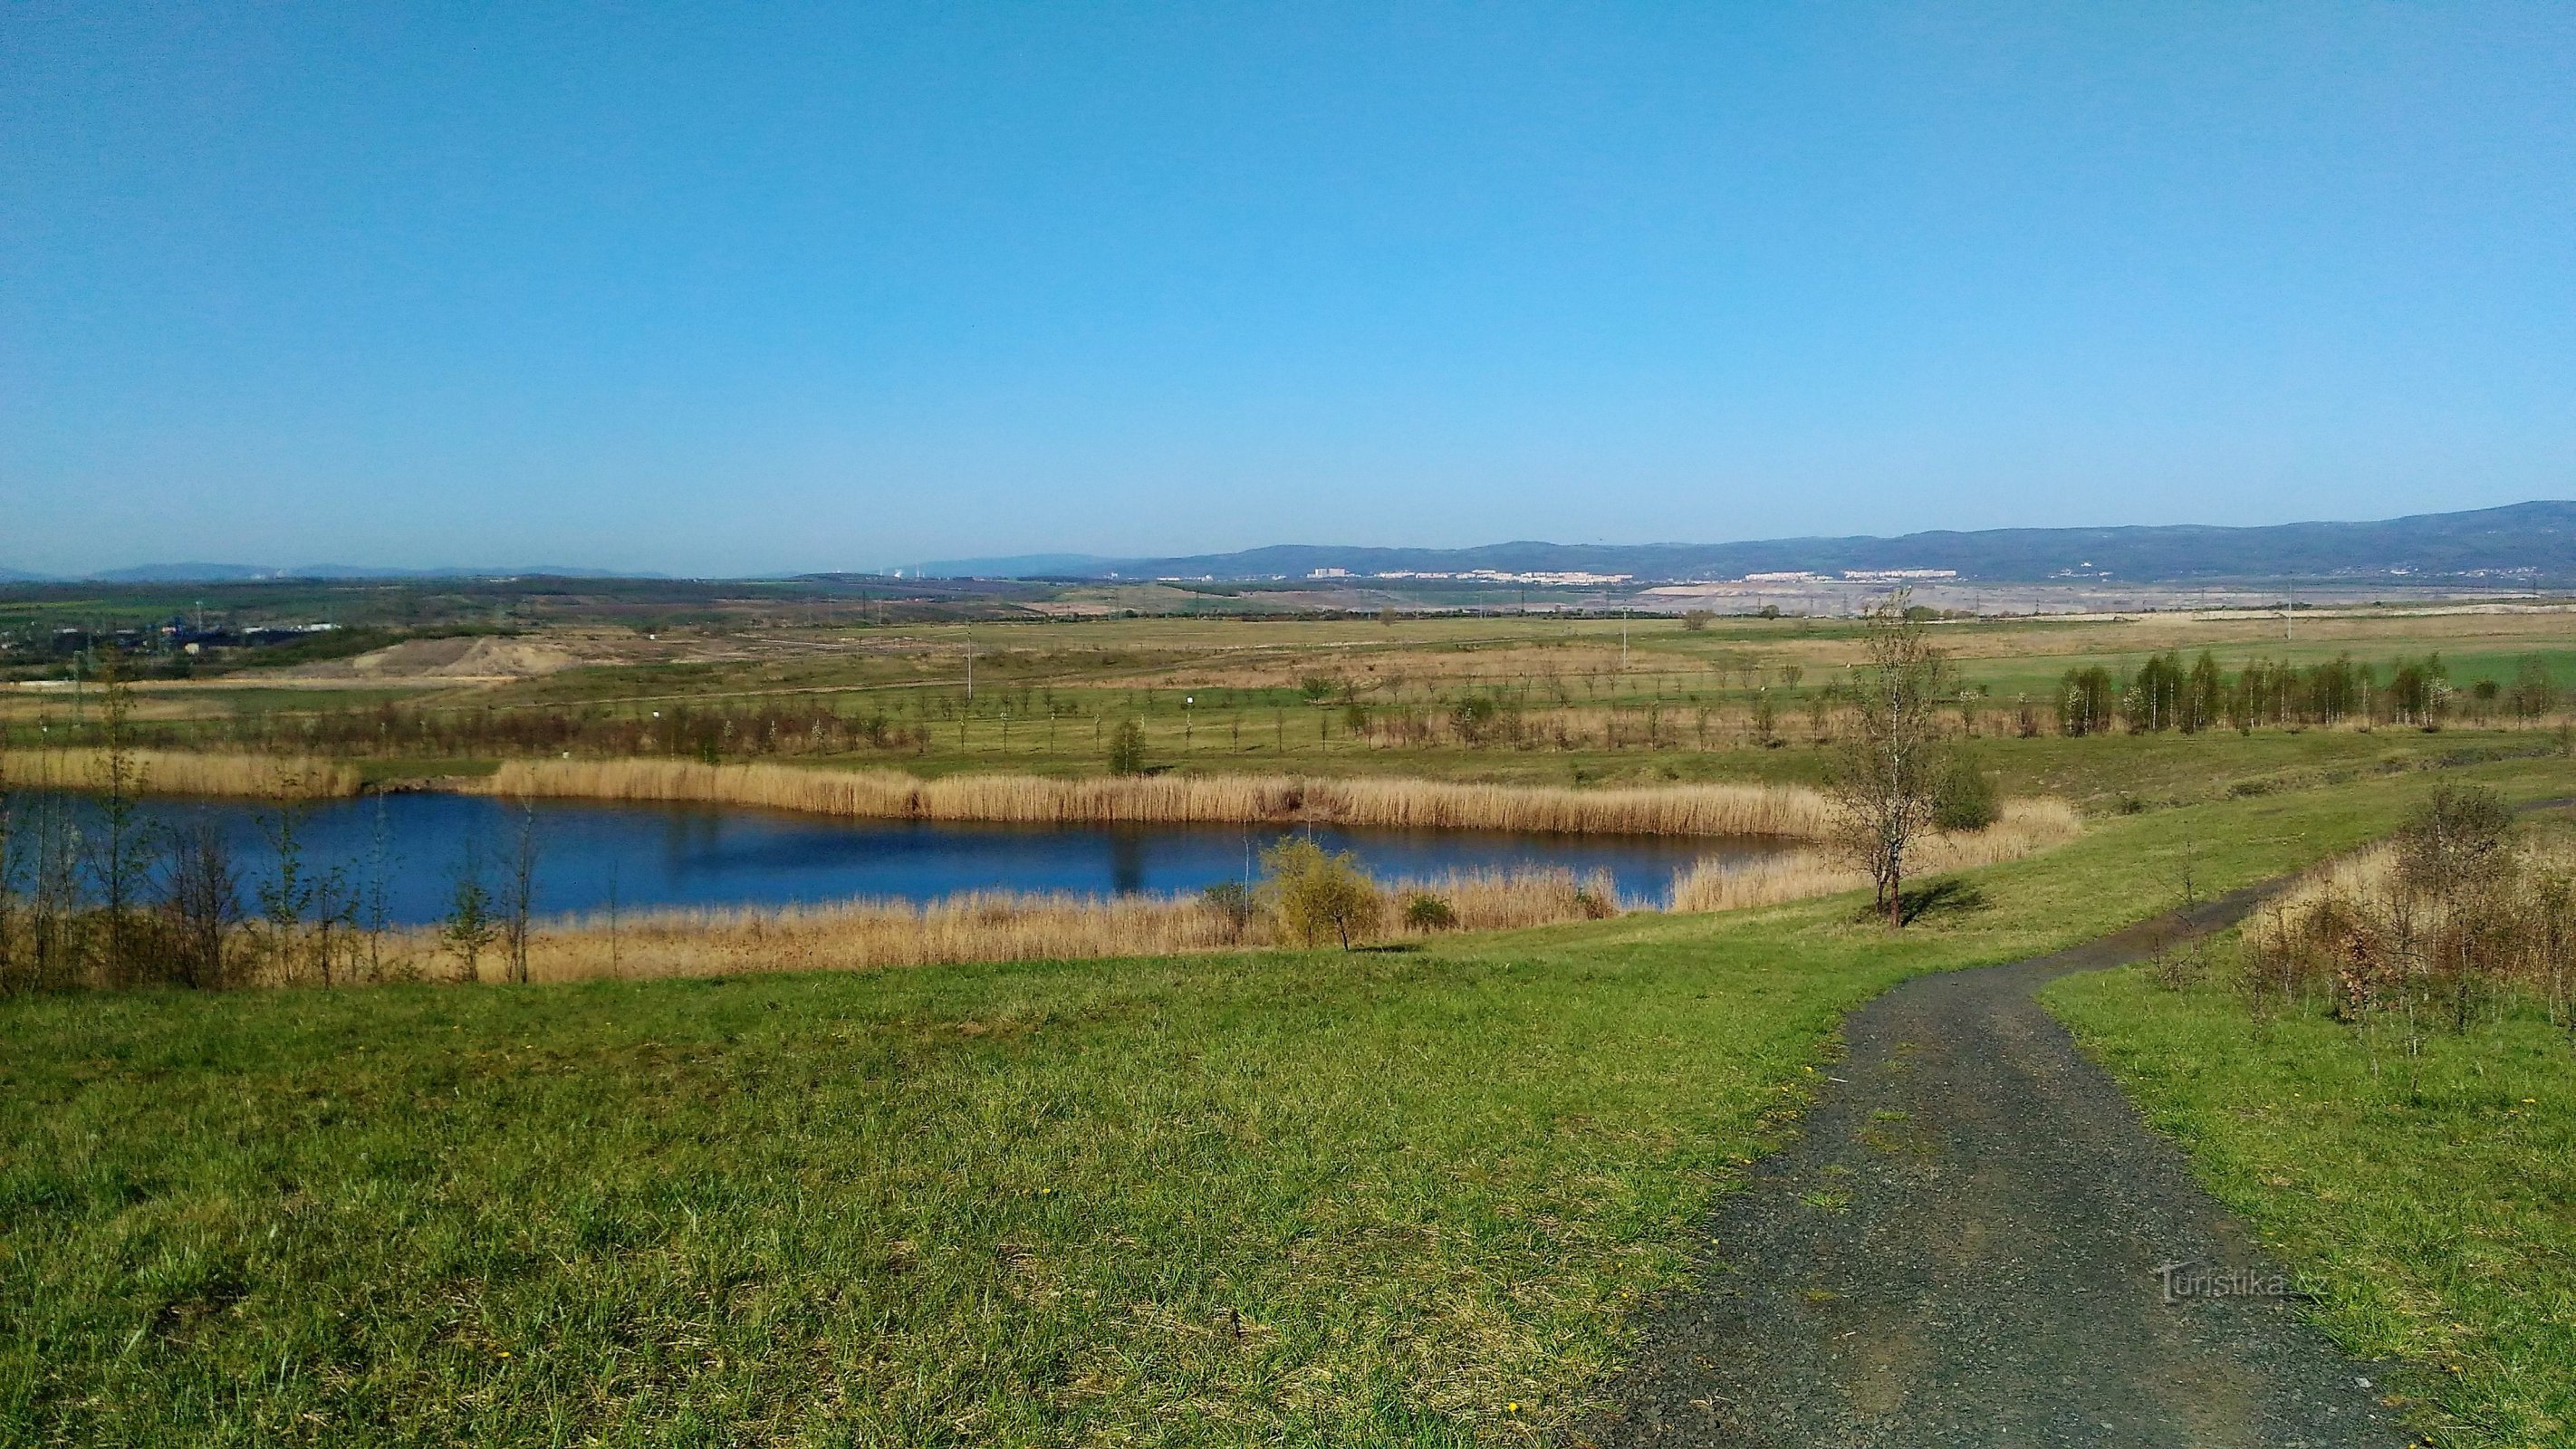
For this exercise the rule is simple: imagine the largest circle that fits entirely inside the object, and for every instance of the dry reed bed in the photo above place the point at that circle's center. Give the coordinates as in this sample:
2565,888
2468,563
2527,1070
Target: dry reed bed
2026,826
1785,811
181,772
870,935
1000,926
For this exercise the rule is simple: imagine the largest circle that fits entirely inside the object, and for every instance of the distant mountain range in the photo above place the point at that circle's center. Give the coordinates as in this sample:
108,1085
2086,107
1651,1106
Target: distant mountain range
226,573
2534,540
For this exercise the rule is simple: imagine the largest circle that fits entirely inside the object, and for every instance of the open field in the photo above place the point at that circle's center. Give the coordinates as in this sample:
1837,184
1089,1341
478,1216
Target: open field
1523,700
1395,1197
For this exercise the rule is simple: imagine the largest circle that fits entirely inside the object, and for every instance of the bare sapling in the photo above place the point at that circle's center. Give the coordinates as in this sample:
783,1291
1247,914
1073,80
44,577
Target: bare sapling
521,903
469,929
10,865
201,896
286,896
1887,777
122,848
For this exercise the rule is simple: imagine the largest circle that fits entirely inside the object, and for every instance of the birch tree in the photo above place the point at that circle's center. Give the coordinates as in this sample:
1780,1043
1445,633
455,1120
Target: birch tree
1889,768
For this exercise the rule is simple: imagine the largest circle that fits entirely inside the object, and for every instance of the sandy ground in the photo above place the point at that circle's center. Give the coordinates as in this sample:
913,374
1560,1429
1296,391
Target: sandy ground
443,659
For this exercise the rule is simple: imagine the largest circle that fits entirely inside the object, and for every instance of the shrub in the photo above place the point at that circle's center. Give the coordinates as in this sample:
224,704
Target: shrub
2453,840
1964,799
1319,895
1696,619
1472,717
1232,900
1426,912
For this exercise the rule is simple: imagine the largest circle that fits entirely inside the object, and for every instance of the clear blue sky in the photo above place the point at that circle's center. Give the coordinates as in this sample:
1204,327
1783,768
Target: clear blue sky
728,289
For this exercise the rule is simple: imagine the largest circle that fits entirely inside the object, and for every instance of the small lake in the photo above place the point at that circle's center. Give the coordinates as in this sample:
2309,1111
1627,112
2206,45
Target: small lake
656,855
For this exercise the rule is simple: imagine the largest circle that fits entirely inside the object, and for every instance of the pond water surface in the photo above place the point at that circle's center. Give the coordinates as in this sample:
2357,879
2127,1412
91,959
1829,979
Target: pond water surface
653,855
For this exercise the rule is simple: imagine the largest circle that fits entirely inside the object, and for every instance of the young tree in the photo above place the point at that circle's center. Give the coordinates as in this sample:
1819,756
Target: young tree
1232,903
2204,694
2085,701
201,895
376,896
522,891
469,928
121,852
286,897
1127,748
2532,695
1889,772
10,865
1319,895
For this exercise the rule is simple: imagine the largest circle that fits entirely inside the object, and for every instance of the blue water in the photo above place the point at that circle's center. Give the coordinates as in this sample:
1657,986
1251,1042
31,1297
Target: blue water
650,855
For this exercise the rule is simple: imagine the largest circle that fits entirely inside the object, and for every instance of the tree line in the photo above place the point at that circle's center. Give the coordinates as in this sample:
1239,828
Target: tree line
2162,693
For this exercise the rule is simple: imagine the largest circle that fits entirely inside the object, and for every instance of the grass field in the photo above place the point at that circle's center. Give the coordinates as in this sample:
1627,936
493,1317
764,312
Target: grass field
2439,1230
1403,1198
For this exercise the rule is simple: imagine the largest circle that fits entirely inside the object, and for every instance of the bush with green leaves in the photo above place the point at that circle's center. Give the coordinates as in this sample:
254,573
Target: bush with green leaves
1426,912
1320,896
1965,799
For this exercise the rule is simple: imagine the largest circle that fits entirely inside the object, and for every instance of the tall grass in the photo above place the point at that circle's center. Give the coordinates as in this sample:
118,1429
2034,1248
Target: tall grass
1785,811
2025,826
181,772
997,926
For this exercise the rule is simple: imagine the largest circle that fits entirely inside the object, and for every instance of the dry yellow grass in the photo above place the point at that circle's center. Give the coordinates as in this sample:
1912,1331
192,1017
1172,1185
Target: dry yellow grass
1784,811
991,926
2026,826
177,772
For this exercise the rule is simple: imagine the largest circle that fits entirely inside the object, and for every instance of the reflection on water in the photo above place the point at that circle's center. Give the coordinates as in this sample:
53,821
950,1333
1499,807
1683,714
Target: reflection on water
648,855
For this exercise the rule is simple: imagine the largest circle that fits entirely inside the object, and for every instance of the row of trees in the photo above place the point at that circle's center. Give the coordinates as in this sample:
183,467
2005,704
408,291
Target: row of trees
2164,694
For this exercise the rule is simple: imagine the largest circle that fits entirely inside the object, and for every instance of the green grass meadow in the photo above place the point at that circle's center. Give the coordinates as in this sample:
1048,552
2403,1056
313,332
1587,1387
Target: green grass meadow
1401,1197
2438,1228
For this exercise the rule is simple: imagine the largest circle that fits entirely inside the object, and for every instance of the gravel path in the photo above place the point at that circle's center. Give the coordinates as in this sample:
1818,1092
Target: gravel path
1963,1248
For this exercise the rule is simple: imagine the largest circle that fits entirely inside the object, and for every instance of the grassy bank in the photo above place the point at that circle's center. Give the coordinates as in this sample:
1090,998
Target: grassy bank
2438,1227
1396,1197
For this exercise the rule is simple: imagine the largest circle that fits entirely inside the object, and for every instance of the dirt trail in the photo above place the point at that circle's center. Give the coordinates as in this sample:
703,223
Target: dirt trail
1964,1248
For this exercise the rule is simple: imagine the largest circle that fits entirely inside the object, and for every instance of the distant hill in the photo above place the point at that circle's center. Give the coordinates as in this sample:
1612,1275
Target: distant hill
2534,539
185,573
209,573
1016,566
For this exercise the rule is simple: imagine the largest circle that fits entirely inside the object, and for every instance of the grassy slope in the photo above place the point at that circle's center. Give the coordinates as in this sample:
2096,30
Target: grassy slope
1384,1198
2442,1231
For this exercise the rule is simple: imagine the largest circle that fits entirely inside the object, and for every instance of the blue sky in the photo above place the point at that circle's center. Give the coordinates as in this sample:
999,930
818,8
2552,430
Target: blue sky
734,289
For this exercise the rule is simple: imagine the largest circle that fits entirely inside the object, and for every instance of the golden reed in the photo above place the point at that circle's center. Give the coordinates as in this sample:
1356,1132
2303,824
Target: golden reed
1784,811
179,772
2026,826
998,926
